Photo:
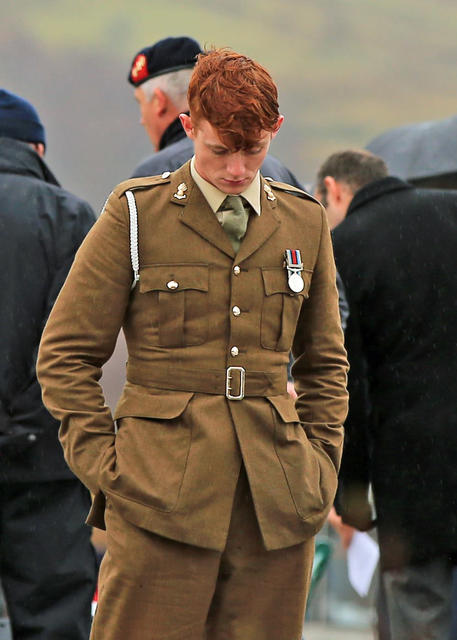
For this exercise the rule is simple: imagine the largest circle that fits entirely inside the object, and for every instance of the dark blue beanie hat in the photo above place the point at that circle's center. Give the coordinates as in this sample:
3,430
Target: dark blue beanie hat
19,119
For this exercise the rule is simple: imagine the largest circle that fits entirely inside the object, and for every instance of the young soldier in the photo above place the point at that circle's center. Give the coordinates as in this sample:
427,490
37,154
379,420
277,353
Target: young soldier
215,484
160,76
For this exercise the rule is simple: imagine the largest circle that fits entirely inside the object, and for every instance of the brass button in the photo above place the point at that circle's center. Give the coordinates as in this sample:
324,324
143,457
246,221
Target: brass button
172,284
234,351
236,311
236,270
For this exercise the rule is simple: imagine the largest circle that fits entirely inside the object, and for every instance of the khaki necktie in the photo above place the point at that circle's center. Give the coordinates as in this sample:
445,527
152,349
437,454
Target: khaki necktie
234,219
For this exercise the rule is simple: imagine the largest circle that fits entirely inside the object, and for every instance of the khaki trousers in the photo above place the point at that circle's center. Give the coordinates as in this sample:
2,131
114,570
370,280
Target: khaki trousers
153,588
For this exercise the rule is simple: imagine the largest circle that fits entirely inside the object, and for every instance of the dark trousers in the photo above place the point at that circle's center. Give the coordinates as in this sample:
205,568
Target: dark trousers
47,562
419,600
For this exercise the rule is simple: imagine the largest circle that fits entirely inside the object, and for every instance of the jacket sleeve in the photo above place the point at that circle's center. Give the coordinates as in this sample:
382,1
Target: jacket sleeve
320,367
342,302
79,338
352,501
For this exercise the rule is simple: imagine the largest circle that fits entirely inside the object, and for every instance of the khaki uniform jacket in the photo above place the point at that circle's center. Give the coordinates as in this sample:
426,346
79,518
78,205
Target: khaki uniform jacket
171,460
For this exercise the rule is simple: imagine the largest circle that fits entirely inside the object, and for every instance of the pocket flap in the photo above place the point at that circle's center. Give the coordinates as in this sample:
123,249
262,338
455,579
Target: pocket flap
275,281
140,402
285,406
174,277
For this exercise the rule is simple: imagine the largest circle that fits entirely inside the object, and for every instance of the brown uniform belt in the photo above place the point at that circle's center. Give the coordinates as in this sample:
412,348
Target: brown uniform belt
234,382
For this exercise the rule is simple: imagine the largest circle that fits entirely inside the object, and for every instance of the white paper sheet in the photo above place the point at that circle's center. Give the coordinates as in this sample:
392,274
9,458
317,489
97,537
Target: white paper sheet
362,558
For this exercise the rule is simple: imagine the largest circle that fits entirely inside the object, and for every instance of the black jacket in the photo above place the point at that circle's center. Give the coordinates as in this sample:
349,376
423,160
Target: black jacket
396,253
176,148
41,227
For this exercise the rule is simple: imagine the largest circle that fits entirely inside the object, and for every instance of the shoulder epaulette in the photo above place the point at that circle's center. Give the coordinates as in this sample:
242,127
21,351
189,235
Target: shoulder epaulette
135,184
293,191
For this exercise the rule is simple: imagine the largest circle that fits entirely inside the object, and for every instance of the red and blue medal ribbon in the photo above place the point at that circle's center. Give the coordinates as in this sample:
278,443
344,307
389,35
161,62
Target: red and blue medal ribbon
293,258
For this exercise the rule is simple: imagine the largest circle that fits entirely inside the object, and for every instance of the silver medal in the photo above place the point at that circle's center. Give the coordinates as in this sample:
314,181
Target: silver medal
296,283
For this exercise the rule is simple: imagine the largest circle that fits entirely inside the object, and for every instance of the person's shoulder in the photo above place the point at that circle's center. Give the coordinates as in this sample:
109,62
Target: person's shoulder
136,184
275,169
168,159
64,201
300,208
289,190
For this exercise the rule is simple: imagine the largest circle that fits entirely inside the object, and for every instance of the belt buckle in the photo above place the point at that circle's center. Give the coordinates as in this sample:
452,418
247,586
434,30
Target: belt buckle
229,377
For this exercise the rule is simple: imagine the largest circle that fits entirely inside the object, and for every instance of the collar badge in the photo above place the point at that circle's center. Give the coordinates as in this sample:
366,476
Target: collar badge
268,190
180,195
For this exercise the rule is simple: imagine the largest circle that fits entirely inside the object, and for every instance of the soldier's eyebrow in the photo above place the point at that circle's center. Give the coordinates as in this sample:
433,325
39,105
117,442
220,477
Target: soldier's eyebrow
216,147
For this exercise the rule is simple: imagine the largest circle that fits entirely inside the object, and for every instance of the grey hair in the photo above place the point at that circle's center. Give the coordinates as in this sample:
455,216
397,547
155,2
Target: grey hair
174,84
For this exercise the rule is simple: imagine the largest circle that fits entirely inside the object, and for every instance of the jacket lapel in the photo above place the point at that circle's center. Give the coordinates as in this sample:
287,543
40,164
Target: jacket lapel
196,212
260,228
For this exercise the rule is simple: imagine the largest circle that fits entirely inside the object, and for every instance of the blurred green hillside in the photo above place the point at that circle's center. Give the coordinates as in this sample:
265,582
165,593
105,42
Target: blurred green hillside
346,70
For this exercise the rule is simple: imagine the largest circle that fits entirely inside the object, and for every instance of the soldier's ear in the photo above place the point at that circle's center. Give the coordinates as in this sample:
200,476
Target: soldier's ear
278,124
187,125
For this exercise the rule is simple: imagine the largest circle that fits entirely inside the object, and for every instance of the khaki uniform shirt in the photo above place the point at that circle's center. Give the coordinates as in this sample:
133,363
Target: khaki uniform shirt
215,197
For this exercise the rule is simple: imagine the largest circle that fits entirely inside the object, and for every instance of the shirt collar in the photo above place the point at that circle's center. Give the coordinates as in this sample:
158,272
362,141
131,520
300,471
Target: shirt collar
216,197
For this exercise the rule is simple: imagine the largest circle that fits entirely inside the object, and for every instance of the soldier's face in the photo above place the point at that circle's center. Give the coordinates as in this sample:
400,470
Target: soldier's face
230,171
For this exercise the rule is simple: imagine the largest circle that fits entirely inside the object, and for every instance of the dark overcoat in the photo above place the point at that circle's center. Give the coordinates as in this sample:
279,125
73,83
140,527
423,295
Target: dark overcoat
396,253
41,227
199,310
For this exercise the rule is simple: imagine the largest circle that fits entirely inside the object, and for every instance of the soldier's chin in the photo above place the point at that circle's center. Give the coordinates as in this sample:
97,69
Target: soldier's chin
235,186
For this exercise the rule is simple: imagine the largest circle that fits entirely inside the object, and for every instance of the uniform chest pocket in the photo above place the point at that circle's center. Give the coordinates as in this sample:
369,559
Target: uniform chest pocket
179,295
280,309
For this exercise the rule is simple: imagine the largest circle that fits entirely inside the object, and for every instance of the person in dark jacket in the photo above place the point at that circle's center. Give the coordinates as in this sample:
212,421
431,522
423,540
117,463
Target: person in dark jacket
160,74
47,563
395,249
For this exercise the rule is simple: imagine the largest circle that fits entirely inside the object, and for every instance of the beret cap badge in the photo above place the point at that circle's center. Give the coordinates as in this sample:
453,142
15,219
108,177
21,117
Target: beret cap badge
139,68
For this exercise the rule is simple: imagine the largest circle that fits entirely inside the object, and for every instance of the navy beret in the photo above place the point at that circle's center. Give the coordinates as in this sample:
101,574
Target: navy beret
19,119
165,56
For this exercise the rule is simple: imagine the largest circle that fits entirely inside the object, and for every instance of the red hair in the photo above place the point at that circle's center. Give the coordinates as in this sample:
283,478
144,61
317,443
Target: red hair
236,95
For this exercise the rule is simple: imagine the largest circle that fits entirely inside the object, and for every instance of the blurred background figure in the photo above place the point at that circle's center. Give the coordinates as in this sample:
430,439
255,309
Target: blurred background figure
47,564
160,74
395,250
